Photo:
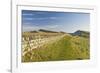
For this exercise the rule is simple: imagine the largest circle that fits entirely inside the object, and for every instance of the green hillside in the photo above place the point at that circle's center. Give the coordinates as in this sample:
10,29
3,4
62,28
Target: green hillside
67,47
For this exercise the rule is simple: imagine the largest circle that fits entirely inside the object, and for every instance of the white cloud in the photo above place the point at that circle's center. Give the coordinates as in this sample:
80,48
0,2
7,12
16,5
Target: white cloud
52,26
28,14
40,12
32,27
52,17
28,18
40,18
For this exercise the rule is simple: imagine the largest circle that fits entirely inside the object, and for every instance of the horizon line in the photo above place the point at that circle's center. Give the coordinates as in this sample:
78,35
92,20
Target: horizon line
56,31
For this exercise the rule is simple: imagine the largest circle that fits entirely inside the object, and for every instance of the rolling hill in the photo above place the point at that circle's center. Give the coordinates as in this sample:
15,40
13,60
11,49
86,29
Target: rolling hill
81,33
63,46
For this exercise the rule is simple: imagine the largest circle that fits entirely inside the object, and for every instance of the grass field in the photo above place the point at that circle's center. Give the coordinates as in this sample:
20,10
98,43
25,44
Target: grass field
55,47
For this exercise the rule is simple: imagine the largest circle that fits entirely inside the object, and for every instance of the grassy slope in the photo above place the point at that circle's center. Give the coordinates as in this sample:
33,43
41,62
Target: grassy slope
67,48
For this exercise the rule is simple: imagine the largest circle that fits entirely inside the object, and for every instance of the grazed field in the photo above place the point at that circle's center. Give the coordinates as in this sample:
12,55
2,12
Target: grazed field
37,47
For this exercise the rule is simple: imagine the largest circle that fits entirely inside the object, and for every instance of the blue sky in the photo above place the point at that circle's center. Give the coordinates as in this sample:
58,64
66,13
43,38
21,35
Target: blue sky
55,21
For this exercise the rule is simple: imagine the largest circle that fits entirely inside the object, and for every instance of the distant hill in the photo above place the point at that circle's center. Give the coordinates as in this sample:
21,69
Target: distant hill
77,33
33,31
43,30
81,33
47,31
